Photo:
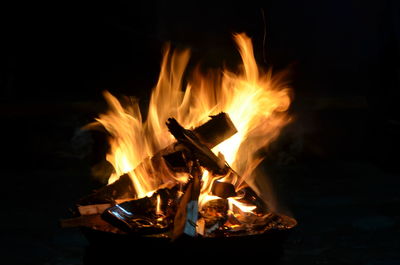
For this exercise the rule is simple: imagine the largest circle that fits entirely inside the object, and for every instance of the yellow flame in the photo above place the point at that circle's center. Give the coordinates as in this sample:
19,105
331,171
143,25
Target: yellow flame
158,205
255,100
205,192
242,206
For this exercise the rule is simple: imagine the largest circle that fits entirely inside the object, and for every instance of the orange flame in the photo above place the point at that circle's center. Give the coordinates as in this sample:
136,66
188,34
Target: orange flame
256,102
158,205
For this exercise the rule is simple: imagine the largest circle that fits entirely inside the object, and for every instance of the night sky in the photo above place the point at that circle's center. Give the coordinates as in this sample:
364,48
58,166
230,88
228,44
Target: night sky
71,51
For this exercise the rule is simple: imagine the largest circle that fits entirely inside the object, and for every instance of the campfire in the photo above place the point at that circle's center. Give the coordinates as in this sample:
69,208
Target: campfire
190,167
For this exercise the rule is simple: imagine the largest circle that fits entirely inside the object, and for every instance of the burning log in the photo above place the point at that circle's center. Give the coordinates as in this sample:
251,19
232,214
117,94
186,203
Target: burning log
93,208
223,189
140,216
137,147
197,149
215,214
208,135
200,141
219,128
187,213
97,208
176,161
148,215
249,196
122,188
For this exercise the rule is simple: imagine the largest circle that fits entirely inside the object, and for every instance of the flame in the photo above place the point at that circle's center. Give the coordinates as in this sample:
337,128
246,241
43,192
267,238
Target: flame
255,100
158,205
233,201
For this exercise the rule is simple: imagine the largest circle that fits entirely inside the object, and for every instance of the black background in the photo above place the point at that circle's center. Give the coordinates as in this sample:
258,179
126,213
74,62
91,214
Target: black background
335,167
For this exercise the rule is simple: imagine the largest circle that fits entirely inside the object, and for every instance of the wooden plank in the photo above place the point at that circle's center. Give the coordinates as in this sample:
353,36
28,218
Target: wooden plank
98,208
122,188
197,149
84,221
93,209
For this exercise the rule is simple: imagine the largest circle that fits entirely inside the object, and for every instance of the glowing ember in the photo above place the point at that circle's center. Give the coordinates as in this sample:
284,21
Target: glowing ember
255,100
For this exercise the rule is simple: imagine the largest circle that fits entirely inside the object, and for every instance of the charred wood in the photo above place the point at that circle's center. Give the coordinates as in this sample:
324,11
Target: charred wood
215,214
93,208
176,161
223,189
187,212
214,131
140,215
248,195
121,188
219,128
98,208
197,149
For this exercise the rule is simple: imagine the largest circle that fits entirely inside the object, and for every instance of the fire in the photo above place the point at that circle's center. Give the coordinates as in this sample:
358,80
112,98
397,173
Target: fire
158,205
242,206
255,100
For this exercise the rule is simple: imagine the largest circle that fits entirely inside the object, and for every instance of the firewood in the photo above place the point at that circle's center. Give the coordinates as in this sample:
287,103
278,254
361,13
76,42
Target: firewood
223,189
201,226
176,161
93,208
219,128
215,214
131,216
196,148
248,195
187,213
216,130
122,188
140,215
211,133
98,208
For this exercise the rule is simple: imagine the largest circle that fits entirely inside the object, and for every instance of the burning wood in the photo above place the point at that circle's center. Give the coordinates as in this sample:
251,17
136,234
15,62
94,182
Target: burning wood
187,212
213,132
166,211
122,188
195,149
142,216
188,186
215,214
223,189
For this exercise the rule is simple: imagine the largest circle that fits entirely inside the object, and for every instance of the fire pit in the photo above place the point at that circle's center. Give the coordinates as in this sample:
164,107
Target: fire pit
116,248
187,173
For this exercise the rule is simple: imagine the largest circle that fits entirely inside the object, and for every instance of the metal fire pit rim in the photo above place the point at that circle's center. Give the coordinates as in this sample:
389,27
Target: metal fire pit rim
93,236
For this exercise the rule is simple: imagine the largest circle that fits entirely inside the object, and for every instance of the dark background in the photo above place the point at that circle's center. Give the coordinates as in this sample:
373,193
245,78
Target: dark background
335,168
